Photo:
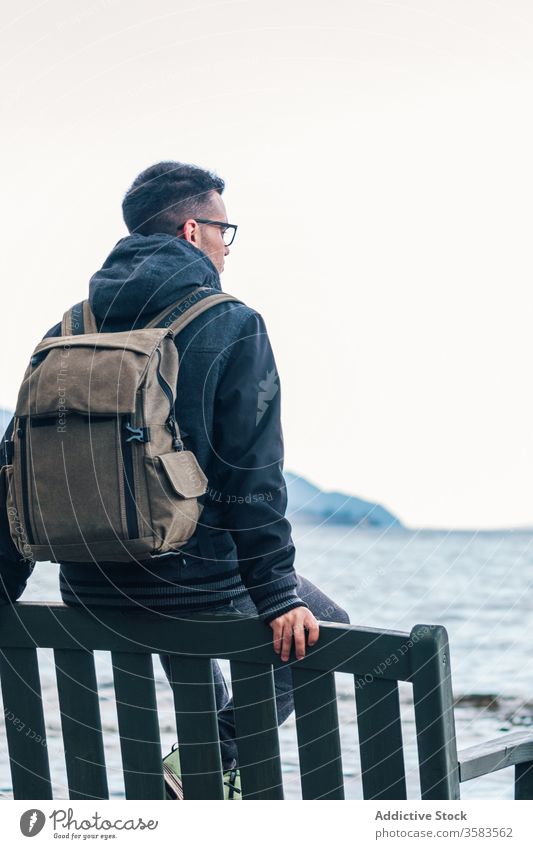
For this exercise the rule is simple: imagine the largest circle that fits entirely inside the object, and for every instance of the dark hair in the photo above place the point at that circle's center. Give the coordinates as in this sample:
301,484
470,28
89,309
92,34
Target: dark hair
163,196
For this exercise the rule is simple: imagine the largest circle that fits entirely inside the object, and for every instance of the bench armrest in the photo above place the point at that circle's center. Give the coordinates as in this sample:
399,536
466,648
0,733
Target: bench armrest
507,750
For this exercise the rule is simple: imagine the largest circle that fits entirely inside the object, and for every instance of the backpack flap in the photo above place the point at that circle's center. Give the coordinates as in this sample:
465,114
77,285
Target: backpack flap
85,374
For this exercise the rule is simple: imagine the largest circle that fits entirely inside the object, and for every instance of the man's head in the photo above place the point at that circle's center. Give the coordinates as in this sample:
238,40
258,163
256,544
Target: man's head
169,198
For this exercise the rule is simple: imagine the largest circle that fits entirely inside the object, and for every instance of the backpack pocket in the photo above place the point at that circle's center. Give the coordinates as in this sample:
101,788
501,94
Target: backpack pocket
14,528
13,524
175,481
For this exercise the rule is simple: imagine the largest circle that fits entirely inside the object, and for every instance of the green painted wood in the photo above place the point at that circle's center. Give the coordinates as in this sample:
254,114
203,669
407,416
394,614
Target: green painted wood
24,720
380,739
429,655
523,781
196,721
317,727
491,755
138,725
81,724
343,648
256,730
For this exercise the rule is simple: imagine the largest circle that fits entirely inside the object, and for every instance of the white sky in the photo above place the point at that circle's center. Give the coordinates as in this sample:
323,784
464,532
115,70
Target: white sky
378,160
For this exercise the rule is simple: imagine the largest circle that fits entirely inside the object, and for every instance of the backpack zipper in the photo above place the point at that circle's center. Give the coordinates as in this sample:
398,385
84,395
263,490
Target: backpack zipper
177,444
21,433
129,484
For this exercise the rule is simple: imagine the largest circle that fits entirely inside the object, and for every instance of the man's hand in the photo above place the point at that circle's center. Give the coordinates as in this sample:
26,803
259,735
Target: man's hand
294,624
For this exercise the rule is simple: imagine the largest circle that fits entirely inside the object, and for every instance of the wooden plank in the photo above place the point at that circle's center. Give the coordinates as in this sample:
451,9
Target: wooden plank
380,739
344,648
429,656
523,781
25,727
81,724
317,726
256,727
138,725
505,750
192,684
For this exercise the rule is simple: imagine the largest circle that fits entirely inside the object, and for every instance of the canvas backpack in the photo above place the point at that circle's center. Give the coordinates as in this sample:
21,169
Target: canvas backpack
97,470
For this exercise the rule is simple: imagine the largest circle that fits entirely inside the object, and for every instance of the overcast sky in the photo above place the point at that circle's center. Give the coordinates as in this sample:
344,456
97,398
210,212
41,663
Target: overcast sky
378,160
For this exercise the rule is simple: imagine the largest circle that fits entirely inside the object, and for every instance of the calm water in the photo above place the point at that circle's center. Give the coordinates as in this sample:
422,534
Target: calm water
478,585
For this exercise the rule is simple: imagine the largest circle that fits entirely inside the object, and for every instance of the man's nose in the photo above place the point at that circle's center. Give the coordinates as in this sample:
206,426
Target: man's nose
226,250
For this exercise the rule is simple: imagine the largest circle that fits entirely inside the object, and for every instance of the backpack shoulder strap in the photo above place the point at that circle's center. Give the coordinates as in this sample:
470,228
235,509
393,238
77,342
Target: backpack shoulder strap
78,319
187,309
178,307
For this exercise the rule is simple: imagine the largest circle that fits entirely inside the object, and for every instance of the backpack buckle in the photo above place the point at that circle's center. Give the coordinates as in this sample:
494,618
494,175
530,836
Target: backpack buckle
140,434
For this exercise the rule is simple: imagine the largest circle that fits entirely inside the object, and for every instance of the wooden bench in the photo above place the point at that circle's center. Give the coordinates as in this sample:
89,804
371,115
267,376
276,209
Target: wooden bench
377,661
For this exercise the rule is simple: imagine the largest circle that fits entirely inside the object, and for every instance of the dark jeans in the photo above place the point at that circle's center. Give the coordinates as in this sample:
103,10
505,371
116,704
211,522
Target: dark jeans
322,607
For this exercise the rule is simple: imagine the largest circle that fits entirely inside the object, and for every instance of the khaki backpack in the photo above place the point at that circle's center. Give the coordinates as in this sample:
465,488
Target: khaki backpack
97,467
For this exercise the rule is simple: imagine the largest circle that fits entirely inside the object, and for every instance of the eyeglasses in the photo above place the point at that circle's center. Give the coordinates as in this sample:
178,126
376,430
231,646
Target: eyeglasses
228,230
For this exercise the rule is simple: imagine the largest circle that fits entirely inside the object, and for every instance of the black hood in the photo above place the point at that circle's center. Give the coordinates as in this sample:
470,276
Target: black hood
144,274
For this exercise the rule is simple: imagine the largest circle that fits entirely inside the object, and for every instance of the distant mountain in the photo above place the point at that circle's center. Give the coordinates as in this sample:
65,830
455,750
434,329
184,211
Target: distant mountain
309,503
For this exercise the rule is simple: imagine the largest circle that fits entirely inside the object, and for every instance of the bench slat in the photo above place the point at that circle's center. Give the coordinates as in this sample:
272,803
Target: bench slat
256,729
81,724
192,684
523,781
138,725
24,719
380,739
317,726
434,717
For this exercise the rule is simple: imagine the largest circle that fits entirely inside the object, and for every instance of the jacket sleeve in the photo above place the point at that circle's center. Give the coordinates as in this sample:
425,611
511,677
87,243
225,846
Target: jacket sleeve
14,569
248,446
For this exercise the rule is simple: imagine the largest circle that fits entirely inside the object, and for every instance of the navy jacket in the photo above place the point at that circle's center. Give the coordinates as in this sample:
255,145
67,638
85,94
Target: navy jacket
228,409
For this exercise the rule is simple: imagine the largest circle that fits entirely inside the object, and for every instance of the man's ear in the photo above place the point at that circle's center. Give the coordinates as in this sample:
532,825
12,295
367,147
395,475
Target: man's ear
191,231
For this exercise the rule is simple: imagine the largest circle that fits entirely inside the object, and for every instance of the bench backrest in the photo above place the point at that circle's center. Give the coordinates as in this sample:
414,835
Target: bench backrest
376,659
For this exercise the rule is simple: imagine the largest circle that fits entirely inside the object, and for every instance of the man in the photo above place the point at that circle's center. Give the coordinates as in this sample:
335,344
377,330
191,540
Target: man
228,405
